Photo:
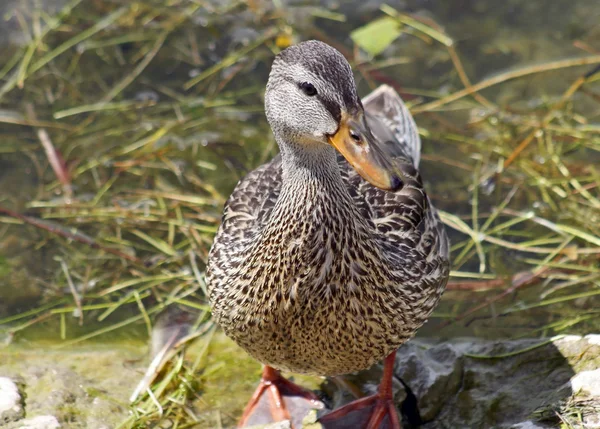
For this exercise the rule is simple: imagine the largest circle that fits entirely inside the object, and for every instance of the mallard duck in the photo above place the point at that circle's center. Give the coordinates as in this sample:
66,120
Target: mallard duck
331,255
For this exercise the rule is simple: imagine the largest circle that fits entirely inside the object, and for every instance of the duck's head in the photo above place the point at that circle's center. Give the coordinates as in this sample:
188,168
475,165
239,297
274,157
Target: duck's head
311,100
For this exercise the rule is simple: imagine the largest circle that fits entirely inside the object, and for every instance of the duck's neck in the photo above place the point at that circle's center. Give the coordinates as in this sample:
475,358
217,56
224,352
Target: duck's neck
312,186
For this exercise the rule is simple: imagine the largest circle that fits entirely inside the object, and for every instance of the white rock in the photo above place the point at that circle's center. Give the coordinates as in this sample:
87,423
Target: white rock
10,399
40,422
591,422
527,425
593,339
587,382
569,338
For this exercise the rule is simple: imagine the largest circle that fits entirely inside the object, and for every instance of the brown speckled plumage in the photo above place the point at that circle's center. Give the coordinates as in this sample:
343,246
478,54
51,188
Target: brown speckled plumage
313,269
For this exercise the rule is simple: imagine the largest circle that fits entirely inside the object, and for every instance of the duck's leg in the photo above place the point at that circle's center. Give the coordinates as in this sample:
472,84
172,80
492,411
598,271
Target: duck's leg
382,405
277,388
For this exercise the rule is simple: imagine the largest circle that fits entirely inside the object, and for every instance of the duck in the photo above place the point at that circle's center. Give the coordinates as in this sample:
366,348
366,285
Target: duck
331,255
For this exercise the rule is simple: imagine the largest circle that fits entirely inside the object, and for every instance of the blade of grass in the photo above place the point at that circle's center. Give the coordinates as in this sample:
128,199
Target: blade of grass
127,80
503,77
140,304
231,59
417,25
76,297
99,26
161,245
579,234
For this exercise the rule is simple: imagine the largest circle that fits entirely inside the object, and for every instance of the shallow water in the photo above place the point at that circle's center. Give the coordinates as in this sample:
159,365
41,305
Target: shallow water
219,143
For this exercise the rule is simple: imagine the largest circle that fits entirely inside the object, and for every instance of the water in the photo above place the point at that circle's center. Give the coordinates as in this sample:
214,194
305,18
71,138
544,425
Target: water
152,159
164,138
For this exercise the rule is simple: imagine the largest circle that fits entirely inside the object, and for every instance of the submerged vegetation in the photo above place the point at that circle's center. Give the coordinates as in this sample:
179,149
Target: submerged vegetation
125,125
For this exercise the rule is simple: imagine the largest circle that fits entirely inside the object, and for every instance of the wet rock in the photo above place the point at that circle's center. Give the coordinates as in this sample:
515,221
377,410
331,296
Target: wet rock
587,382
522,384
436,372
11,401
527,425
496,379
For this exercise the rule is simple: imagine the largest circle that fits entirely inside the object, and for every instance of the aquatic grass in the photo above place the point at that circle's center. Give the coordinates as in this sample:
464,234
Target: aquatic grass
157,115
506,76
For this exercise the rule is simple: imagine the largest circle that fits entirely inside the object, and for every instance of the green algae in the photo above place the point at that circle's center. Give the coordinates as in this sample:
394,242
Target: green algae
228,379
85,388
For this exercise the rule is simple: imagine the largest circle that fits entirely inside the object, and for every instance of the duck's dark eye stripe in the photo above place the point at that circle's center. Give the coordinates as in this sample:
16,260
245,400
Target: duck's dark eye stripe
308,88
332,107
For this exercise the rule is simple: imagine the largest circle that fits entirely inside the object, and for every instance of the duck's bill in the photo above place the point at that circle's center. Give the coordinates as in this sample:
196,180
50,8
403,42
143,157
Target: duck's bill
356,143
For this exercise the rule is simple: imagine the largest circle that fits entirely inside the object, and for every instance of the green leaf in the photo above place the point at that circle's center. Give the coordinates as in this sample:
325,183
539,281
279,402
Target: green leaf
156,242
377,35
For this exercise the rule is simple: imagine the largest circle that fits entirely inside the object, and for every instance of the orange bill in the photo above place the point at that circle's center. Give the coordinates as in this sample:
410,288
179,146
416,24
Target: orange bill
356,143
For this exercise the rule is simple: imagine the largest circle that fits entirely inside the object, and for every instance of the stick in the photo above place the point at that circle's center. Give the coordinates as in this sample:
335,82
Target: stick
75,236
519,280
54,158
526,71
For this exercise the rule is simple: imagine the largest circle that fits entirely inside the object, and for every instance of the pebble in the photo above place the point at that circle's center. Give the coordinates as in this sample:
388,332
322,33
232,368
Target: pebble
527,425
10,400
587,382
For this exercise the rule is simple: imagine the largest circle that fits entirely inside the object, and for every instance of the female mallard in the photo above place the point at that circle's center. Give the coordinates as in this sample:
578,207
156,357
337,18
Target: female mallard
325,264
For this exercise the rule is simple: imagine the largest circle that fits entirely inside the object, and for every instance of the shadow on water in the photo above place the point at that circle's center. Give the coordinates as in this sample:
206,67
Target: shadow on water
153,152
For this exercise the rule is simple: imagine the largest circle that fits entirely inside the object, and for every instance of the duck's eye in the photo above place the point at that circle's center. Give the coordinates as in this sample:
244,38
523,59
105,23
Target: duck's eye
308,88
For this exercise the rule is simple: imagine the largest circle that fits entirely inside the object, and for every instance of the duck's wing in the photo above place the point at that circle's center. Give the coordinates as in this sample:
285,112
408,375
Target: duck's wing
244,214
253,198
406,217
392,124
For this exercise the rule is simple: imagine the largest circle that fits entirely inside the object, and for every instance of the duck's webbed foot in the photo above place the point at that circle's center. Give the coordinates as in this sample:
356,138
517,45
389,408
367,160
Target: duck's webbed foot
371,412
277,399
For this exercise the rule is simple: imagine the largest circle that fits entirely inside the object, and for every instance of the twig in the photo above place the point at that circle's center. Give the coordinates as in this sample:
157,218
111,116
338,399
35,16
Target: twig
230,59
465,79
432,29
519,280
476,285
19,78
127,80
29,323
76,297
75,236
587,48
547,119
56,161
22,121
526,71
